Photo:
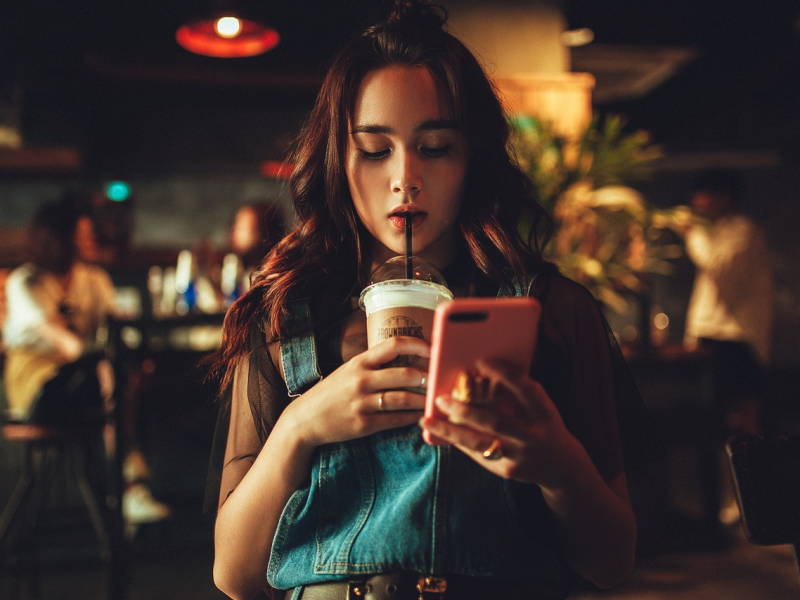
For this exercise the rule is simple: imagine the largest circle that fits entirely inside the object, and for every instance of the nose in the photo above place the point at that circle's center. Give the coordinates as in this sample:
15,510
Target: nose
407,178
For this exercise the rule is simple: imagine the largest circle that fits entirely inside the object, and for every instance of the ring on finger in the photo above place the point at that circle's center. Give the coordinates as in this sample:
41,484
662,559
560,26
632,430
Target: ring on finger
494,451
423,380
381,408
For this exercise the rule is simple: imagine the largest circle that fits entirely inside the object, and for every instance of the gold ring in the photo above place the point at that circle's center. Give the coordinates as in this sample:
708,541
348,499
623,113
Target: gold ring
423,380
494,451
380,403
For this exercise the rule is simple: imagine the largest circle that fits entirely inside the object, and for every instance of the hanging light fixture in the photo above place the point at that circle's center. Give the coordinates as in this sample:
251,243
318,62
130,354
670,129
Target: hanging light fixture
227,33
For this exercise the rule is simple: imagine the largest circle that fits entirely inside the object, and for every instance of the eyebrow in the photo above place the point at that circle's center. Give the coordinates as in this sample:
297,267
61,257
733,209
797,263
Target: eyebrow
424,126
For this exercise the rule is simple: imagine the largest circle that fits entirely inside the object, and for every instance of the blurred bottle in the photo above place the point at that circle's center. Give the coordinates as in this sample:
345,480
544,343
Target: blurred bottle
231,278
184,285
155,288
169,294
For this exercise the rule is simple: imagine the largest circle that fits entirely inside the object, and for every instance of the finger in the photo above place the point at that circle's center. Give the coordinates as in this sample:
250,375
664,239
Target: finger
483,418
470,441
397,378
398,400
489,420
391,420
389,349
395,408
431,439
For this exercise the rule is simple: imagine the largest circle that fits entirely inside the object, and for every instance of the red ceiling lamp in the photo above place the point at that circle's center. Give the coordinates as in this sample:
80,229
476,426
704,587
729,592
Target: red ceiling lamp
227,33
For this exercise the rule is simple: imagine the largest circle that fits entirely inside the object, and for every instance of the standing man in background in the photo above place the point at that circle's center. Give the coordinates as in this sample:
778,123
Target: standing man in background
731,306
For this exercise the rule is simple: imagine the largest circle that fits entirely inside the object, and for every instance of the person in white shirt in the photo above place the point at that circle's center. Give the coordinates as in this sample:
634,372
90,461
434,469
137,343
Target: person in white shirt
731,306
54,332
56,311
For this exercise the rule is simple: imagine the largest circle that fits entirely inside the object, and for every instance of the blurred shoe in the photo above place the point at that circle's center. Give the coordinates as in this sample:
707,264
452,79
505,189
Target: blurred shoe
139,506
134,467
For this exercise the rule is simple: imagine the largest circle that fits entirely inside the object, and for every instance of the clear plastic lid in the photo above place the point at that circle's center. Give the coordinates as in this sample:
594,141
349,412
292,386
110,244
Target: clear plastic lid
395,268
390,286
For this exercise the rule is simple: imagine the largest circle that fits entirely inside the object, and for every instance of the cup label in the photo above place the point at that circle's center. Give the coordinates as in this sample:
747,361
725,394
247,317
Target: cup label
399,325
400,321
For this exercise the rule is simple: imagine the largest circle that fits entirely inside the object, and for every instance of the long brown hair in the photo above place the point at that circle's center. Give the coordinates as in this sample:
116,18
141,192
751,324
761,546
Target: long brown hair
328,252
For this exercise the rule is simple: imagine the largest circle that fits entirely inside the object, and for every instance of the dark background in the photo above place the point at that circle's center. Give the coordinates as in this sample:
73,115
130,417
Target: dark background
110,78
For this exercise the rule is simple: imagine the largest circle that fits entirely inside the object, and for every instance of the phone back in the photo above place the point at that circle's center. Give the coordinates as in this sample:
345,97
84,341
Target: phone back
469,329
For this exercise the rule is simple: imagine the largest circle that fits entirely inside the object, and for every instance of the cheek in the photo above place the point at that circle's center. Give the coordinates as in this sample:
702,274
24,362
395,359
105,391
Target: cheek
454,186
365,183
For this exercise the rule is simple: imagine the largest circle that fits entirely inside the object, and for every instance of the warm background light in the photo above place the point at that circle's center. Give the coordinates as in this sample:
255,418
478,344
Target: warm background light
227,37
577,37
228,27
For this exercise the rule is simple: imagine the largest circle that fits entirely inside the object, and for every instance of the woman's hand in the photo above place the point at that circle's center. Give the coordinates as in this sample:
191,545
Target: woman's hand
362,396
519,434
67,344
517,421
345,405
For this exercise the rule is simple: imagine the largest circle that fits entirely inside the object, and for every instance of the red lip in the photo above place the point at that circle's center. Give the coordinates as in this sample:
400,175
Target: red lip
398,218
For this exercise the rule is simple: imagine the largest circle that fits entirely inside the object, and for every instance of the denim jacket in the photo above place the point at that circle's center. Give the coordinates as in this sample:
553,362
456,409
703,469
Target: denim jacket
390,502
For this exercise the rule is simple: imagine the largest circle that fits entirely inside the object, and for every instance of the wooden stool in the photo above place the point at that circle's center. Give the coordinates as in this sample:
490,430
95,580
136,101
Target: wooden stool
48,449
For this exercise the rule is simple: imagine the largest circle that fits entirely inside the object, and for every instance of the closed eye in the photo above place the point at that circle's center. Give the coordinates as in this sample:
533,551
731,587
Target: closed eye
374,155
436,152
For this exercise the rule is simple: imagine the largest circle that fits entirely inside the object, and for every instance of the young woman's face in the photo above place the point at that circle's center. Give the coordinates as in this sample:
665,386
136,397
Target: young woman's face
405,155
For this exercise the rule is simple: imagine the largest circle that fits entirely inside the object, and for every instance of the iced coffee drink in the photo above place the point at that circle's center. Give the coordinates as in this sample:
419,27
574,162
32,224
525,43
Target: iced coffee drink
396,305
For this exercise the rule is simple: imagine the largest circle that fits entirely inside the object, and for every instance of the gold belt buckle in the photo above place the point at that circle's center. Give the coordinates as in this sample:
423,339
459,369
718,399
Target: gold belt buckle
429,584
358,589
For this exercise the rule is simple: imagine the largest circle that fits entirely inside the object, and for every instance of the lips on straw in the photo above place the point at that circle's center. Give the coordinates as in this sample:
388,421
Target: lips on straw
409,267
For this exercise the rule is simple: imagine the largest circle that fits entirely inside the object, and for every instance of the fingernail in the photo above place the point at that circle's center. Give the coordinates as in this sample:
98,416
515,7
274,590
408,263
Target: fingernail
442,402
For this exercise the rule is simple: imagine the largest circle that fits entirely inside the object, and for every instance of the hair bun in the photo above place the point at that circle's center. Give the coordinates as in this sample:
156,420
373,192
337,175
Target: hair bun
418,14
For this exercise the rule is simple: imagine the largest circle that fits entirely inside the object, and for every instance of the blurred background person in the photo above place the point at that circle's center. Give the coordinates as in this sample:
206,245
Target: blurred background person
256,228
731,306
58,304
730,317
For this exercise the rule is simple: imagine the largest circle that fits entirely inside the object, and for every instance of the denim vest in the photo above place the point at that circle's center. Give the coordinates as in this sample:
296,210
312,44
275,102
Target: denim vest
390,502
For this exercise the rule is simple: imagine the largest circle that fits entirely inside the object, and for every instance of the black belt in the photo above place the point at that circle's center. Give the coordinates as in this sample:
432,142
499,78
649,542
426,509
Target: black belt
413,586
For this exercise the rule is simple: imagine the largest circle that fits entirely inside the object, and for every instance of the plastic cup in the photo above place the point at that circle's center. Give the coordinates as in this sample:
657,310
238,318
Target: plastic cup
404,307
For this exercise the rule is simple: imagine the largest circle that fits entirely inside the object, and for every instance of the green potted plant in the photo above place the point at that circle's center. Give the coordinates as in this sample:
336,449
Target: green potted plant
602,224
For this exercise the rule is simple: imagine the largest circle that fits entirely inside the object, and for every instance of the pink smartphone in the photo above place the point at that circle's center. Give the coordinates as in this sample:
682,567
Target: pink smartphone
468,329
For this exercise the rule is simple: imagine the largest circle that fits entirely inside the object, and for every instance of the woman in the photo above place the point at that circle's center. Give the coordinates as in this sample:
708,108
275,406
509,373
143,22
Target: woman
256,228
57,305
55,333
327,483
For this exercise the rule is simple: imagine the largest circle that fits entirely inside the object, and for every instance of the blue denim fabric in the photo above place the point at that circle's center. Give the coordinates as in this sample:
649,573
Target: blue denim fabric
299,358
390,502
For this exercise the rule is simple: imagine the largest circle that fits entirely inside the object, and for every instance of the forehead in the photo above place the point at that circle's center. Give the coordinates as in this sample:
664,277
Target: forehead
398,93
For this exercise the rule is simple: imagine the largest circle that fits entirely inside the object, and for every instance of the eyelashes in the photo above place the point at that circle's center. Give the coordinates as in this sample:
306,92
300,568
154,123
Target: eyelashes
374,155
427,151
435,152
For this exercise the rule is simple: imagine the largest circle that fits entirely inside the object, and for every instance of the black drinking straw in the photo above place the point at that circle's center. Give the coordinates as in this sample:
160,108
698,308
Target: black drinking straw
409,268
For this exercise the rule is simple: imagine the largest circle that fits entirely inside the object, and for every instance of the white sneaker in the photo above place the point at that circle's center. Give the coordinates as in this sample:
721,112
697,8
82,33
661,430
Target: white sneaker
139,506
